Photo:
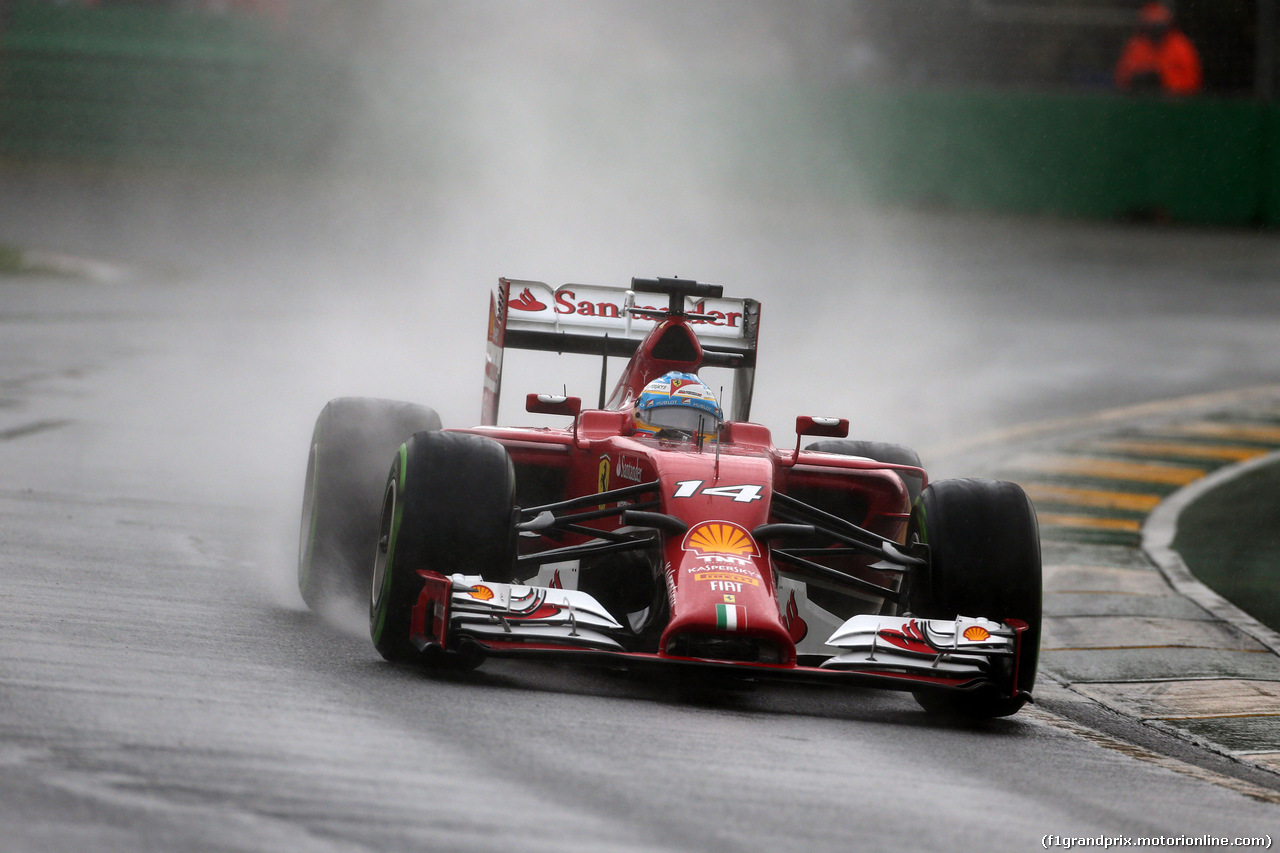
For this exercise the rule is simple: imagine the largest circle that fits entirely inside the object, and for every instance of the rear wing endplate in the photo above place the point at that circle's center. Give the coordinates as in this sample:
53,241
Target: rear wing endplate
593,320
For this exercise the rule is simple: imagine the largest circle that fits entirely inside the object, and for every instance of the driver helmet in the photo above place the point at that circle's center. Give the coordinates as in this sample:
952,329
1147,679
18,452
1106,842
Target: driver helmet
678,401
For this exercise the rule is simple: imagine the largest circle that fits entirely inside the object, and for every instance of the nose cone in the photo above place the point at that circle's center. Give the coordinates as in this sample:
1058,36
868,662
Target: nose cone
724,607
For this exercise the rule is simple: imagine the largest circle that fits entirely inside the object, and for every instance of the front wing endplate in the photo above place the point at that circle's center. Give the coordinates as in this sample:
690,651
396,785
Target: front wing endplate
950,648
505,614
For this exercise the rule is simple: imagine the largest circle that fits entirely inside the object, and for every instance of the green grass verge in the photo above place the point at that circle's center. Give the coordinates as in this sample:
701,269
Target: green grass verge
1230,540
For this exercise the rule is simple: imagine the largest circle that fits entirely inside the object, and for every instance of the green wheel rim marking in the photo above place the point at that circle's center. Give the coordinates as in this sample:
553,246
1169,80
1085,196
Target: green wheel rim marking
392,536
304,569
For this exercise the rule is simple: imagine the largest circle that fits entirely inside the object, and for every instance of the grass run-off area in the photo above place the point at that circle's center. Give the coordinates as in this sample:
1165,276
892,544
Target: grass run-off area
1230,539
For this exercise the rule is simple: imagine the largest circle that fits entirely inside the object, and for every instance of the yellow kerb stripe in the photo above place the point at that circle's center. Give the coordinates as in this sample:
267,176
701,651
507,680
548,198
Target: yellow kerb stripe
1119,469
1183,450
1054,519
1236,432
1042,493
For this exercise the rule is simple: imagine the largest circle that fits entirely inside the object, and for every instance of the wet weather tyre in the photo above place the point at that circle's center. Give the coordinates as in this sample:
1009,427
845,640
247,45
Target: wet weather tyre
880,451
984,547
352,443
448,507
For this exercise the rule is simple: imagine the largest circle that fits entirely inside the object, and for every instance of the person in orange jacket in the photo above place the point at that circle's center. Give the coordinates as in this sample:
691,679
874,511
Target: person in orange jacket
1158,57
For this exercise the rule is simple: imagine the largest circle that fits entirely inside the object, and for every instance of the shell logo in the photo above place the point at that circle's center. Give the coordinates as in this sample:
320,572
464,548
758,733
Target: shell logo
481,592
720,537
976,633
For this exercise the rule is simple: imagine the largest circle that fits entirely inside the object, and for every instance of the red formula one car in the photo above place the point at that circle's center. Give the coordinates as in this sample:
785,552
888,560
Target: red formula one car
667,535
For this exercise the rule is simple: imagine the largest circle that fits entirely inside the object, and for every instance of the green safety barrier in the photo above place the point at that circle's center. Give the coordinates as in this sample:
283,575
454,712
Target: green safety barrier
1270,172
145,84
138,84
1202,160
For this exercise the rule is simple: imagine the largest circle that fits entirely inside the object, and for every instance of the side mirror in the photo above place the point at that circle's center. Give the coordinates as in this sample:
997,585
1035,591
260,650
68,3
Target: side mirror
823,427
553,404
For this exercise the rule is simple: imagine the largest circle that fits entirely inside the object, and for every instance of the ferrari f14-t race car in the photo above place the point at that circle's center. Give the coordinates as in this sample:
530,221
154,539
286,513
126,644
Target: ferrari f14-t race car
653,531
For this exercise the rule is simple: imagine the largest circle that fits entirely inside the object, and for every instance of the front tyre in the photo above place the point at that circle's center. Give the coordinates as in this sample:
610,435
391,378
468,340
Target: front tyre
353,439
448,507
880,451
984,561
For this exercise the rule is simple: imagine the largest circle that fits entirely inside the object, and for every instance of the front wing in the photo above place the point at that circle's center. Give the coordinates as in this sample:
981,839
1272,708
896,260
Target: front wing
897,652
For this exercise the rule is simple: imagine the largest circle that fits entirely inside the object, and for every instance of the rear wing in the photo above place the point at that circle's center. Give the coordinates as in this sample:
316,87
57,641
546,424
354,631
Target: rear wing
594,320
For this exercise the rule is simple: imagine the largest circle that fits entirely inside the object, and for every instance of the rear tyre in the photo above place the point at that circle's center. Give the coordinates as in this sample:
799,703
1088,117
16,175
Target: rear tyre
880,451
353,440
448,506
984,561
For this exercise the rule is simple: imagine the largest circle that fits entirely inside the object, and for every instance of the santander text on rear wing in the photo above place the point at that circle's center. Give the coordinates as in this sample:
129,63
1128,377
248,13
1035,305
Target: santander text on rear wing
595,320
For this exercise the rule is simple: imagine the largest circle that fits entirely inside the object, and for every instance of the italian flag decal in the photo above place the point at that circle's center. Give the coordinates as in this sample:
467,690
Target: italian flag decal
731,617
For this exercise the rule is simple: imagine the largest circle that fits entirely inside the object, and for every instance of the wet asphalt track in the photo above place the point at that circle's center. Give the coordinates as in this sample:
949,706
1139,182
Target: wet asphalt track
161,687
